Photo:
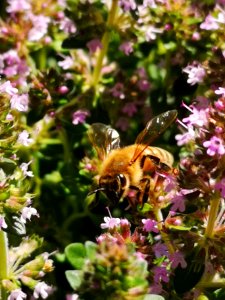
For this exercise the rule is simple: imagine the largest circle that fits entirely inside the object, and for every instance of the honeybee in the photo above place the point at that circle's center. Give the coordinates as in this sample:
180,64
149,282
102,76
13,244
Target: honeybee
133,167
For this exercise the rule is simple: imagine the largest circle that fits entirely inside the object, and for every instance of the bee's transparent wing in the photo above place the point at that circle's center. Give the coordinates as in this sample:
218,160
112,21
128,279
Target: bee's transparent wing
153,129
104,138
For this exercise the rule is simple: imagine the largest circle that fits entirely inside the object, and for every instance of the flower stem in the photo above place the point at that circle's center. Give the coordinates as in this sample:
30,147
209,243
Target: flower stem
213,212
105,43
165,237
3,262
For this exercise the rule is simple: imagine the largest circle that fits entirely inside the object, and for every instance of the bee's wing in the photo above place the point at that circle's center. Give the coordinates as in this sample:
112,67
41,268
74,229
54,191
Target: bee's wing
153,129
103,138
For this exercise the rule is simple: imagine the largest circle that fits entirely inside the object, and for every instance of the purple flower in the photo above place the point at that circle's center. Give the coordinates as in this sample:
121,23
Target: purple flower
130,109
80,116
143,84
177,258
67,63
40,27
178,202
24,168
220,186
19,102
2,223
220,91
197,117
7,88
24,139
196,73
127,5
27,213
150,225
160,274
160,250
67,25
126,47
110,223
186,137
94,45
150,33
42,289
118,90
18,6
210,23
17,294
214,146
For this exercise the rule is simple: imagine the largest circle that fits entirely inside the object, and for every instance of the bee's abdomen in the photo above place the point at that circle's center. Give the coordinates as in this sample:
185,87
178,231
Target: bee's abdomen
157,157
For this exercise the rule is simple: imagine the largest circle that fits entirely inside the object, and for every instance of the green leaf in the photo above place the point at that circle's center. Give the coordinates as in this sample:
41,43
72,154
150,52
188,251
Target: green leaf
153,297
144,208
76,254
91,249
74,278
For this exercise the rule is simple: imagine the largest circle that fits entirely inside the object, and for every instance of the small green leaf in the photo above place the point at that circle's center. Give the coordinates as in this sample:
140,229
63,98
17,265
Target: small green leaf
144,208
74,278
76,254
91,249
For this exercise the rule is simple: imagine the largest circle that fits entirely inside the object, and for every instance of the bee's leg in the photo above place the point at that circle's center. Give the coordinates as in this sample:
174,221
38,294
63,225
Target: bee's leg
142,192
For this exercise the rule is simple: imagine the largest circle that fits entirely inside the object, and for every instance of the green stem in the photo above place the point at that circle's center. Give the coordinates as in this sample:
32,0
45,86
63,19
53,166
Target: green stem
165,237
213,212
105,43
3,262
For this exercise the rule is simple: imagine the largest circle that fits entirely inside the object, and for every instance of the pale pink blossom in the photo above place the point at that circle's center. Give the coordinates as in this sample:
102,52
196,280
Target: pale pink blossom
17,294
27,213
40,27
24,139
42,290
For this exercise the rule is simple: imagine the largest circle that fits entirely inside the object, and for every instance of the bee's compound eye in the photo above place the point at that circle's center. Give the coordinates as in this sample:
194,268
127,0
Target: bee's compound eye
122,179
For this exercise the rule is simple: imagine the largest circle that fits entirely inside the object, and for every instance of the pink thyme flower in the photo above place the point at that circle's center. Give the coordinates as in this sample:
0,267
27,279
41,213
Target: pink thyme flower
17,294
127,5
151,33
67,25
126,47
7,88
110,223
143,84
118,90
177,258
161,274
178,202
220,91
80,116
42,289
210,23
40,27
130,109
214,146
18,6
160,250
20,102
197,117
186,137
196,73
27,213
2,223
150,225
220,186
94,45
24,139
67,63
24,168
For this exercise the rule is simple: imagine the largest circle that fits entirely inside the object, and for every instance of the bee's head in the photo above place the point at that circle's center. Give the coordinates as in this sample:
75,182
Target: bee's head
113,186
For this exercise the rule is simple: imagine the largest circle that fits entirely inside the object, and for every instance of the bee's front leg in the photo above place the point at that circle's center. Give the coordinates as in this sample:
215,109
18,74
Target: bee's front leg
142,192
